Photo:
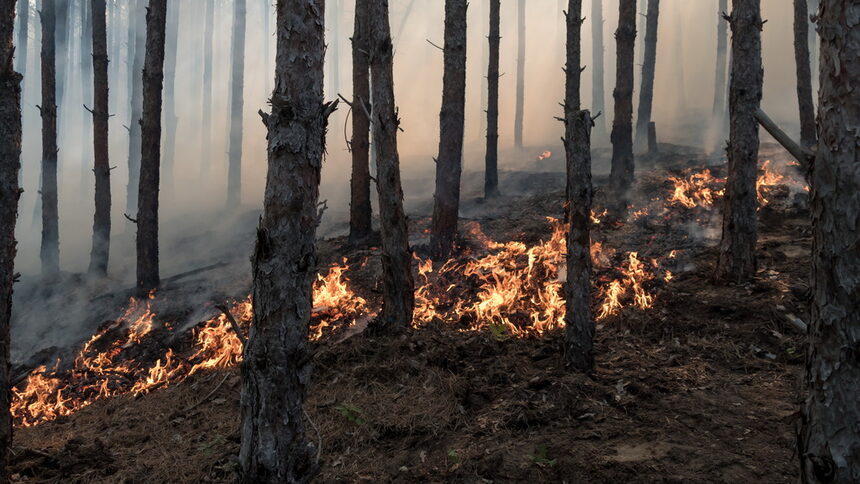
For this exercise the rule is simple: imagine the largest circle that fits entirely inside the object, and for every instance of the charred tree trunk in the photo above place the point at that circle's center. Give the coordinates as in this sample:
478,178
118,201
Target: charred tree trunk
398,287
50,250
150,155
521,73
579,321
100,252
722,58
491,173
206,121
646,93
237,105
737,261
277,367
10,192
623,167
449,165
360,215
171,121
598,90
804,73
137,44
829,441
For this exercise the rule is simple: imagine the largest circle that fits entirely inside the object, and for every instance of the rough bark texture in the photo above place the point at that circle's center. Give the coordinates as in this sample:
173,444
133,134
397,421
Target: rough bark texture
521,74
598,91
623,167
150,156
398,287
804,73
449,164
50,250
646,93
737,261
829,446
491,172
360,214
277,367
10,156
100,252
137,44
579,334
171,121
206,120
237,104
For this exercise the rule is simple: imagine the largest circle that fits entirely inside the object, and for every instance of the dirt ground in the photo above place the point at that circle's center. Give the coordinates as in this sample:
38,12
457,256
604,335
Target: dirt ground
703,387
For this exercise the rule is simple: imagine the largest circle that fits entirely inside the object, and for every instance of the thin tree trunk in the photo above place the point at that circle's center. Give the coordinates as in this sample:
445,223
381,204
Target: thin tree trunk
85,61
137,45
398,287
641,19
623,167
829,441
100,253
519,112
646,93
277,367
722,57
171,121
449,164
150,155
50,250
206,121
237,105
360,215
813,40
579,321
737,261
804,73
10,164
491,173
23,36
598,91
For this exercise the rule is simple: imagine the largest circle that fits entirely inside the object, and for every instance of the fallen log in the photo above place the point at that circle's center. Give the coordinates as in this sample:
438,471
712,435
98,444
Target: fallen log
164,282
803,155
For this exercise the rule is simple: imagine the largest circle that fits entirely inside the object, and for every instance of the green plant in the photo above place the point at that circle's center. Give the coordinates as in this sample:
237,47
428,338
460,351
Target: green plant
353,414
500,332
541,458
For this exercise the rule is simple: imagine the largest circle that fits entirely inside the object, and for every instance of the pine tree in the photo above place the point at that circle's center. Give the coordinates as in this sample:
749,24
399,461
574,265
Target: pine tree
100,252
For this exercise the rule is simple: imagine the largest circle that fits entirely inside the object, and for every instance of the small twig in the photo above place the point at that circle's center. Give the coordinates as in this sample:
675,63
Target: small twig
132,220
233,323
434,45
319,435
208,395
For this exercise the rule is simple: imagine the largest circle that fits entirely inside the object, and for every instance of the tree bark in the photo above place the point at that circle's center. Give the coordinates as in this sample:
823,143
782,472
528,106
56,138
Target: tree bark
813,40
579,321
171,121
804,73
598,93
829,441
100,253
449,164
646,93
150,155
398,287
137,45
50,250
237,105
521,73
491,173
277,367
722,58
10,164
206,121
737,261
360,215
623,167
85,62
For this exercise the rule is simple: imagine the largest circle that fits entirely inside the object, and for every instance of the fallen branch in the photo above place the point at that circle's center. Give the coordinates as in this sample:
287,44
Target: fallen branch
236,328
803,155
208,395
173,278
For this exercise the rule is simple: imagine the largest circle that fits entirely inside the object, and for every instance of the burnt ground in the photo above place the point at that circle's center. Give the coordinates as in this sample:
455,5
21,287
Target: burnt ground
703,387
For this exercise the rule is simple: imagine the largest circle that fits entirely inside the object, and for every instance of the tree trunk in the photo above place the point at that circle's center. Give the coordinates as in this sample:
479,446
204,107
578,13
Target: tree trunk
277,367
85,61
521,73
23,36
150,155
206,121
641,19
10,164
646,93
50,250
449,165
720,77
491,173
623,167
398,287
171,121
137,44
804,73
737,261
237,105
813,40
829,441
101,167
598,95
579,322
360,215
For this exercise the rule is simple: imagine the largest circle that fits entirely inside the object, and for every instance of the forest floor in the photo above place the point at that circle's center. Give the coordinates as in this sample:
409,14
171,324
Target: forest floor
702,387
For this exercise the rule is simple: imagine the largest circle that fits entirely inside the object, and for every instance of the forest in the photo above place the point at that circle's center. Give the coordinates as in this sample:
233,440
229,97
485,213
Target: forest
291,241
